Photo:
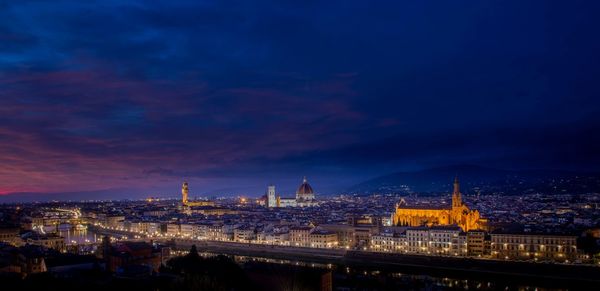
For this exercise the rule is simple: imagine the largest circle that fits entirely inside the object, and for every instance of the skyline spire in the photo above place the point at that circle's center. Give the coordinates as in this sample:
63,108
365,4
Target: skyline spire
456,196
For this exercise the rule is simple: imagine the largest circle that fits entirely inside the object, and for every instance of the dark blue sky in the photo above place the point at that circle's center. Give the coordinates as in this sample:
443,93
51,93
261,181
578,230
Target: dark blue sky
234,95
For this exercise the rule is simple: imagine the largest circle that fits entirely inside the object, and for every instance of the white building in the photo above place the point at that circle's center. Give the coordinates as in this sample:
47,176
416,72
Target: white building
244,234
278,238
151,227
440,240
287,202
186,230
389,241
417,240
172,229
221,232
202,231
532,246
305,197
215,232
271,197
447,241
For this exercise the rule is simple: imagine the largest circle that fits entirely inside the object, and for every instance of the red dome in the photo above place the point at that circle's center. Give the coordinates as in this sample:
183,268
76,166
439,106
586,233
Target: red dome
305,188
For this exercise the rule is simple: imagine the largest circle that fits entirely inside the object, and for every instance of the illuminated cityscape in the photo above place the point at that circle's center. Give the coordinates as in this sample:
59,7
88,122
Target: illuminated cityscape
329,230
299,145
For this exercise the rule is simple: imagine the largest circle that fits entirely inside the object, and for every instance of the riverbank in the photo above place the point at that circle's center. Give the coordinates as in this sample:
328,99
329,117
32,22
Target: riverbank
542,274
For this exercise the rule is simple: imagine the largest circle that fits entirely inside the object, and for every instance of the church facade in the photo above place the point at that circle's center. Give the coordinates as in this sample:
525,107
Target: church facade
305,197
458,214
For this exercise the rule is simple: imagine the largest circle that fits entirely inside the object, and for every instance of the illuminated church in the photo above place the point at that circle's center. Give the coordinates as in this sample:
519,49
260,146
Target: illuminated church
305,197
458,214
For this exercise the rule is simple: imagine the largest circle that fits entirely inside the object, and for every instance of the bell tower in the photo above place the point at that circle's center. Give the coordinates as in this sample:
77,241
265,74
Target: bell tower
456,196
184,193
271,200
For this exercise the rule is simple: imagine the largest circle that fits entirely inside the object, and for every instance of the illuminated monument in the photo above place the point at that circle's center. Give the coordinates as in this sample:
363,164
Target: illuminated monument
271,197
184,193
184,198
458,214
305,192
305,197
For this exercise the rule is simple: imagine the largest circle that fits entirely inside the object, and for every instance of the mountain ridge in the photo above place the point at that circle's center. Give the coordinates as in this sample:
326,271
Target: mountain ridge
486,179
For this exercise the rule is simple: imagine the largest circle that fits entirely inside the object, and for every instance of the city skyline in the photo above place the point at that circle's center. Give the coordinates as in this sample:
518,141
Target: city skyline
299,145
135,98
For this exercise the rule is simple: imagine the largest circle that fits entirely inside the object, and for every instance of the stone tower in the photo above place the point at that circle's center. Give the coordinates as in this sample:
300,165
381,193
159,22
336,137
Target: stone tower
184,193
456,196
271,199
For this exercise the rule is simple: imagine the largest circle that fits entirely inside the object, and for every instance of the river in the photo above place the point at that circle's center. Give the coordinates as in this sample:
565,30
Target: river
353,278
79,237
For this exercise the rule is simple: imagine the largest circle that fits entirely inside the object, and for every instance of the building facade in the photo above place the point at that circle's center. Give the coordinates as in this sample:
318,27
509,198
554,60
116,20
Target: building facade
476,243
323,239
299,236
352,236
10,235
389,241
440,240
539,247
458,214
305,197
271,199
244,233
185,191
51,241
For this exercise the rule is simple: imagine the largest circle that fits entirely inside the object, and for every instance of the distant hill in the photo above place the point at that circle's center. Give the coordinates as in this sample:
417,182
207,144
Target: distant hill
486,180
116,193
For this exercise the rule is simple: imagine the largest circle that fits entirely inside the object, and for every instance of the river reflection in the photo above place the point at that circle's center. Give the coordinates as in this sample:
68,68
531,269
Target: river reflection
79,237
348,278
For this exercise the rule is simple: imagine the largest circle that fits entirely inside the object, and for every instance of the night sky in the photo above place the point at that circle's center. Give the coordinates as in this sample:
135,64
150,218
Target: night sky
235,95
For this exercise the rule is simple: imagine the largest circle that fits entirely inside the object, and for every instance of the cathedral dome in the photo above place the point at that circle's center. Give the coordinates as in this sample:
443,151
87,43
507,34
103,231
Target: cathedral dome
305,188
